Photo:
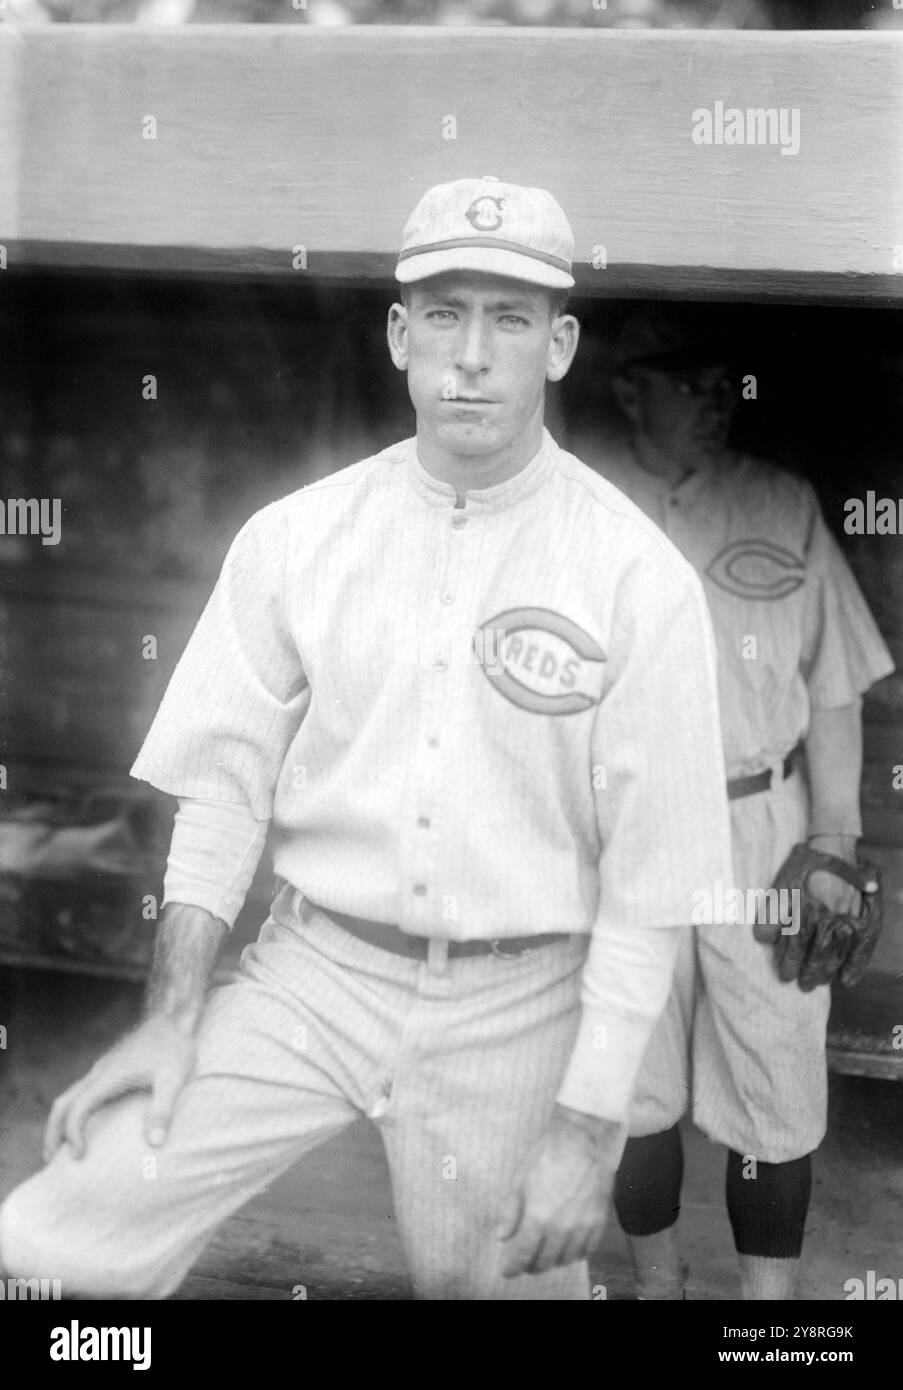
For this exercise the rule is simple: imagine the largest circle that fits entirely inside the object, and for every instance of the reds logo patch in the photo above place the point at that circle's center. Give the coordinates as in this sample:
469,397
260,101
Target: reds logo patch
757,569
485,213
540,661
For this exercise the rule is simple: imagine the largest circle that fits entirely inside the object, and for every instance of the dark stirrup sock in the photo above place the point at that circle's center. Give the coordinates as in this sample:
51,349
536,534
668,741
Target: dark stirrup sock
768,1208
648,1182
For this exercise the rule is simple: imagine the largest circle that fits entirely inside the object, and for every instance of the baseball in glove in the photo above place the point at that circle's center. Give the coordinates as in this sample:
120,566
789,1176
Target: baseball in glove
825,944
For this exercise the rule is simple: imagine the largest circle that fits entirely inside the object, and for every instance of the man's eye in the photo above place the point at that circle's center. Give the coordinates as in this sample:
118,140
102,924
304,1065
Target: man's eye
441,314
514,319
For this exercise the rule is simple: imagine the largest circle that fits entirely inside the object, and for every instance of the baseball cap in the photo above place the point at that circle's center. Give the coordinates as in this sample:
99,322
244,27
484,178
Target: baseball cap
668,336
484,224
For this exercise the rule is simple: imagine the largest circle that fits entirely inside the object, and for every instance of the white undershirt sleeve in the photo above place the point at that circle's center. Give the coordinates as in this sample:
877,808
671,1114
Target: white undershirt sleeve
625,988
216,847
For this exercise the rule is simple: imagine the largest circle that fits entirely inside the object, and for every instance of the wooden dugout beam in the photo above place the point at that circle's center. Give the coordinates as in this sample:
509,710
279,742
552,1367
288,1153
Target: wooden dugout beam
271,137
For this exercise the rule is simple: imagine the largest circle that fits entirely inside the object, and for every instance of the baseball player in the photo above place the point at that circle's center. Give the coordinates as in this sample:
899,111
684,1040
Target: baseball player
429,675
744,1029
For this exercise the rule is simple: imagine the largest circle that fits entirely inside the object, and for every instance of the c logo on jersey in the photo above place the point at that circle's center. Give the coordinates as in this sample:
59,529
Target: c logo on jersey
484,213
757,569
540,661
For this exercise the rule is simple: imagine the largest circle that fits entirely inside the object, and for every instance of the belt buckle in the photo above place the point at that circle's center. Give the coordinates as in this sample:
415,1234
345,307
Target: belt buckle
495,944
794,759
776,768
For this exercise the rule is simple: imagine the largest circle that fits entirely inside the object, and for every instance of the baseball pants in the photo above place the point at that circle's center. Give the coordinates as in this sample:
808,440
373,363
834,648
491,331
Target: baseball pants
457,1061
748,1049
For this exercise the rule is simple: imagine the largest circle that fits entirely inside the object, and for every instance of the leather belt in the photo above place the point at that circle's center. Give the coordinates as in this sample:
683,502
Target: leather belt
416,947
761,781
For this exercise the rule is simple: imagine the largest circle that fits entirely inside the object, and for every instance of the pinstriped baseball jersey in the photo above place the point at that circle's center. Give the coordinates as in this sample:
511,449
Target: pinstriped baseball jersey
472,721
773,573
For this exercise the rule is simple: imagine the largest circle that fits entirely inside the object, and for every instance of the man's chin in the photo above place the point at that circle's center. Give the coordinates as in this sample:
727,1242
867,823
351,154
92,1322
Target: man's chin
468,437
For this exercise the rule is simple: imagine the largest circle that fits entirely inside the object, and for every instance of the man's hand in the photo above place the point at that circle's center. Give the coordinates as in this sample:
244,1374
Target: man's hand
828,941
559,1207
157,1057
826,888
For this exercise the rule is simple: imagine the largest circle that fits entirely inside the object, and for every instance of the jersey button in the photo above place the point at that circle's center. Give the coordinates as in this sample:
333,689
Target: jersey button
432,741
420,890
423,822
458,522
441,664
448,598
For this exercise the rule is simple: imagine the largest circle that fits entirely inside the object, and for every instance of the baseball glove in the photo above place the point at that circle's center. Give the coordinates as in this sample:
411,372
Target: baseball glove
823,944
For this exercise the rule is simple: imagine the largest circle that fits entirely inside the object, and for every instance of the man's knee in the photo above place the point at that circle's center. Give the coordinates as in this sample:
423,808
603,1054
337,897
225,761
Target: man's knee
657,1108
34,1246
25,1250
20,1235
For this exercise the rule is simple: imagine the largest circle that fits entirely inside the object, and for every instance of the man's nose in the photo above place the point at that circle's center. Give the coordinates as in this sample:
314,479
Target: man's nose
473,345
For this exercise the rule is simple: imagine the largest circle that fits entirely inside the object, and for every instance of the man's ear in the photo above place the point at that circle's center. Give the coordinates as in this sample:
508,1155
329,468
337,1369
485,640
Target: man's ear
562,346
627,395
397,335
